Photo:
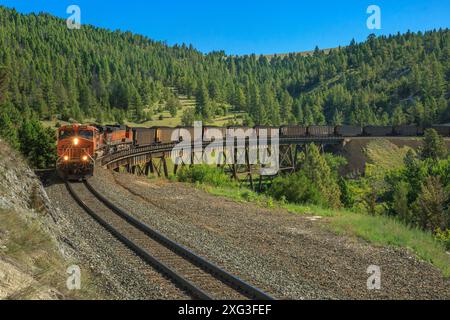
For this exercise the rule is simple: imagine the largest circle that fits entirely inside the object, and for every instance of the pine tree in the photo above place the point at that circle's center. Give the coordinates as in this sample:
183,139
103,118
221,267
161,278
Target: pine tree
8,130
240,100
188,117
434,146
338,118
135,105
399,79
203,107
429,209
401,203
286,107
316,169
173,104
38,144
4,82
398,117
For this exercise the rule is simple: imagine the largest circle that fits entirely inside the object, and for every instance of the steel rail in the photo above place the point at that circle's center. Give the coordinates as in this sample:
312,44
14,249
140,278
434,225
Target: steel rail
224,276
146,256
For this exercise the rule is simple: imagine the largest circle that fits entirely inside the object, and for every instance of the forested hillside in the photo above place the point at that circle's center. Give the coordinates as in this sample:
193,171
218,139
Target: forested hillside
113,76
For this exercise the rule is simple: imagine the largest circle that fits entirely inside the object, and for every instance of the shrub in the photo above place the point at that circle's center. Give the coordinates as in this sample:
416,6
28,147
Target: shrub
315,167
429,210
188,117
296,188
443,237
204,174
400,202
347,198
434,146
248,195
270,203
38,144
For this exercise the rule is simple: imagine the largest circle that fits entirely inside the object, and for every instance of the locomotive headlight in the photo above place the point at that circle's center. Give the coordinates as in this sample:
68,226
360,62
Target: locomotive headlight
85,158
66,158
76,141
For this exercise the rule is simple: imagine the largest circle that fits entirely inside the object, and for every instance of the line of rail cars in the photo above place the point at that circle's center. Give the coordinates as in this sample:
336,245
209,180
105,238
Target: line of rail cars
79,145
155,135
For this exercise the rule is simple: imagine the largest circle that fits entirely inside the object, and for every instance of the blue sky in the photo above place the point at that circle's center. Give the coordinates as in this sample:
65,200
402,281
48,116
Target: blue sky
250,26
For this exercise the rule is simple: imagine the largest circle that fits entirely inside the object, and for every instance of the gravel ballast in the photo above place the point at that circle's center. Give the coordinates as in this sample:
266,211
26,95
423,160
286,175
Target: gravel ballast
289,256
117,270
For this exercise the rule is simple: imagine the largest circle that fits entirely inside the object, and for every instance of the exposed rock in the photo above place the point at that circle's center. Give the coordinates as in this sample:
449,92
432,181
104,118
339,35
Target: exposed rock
22,191
24,202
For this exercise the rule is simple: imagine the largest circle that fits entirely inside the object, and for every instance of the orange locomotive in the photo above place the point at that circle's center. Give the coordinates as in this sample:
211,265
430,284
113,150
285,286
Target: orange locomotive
80,145
115,138
77,147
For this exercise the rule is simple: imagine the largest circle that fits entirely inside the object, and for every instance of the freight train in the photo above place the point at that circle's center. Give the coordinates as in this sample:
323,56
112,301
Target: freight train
80,145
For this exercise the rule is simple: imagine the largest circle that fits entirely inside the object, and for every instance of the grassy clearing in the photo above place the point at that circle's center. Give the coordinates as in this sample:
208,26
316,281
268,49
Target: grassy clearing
378,230
384,230
385,154
164,118
36,255
167,121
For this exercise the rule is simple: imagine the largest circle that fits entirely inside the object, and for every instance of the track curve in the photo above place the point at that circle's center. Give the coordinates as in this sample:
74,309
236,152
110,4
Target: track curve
199,277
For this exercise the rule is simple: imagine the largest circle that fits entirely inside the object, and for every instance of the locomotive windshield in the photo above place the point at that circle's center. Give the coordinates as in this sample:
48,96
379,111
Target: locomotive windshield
86,134
64,134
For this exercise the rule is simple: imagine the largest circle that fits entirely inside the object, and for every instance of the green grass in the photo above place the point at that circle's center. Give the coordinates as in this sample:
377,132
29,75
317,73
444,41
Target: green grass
383,230
385,154
167,121
378,230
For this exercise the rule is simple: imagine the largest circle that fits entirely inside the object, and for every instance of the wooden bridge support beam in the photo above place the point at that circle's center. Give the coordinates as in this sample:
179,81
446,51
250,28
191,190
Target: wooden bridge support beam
166,172
157,168
150,166
288,158
249,167
180,163
241,169
140,170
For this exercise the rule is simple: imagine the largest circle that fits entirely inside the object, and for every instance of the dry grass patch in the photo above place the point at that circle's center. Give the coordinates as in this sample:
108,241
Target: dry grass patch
32,266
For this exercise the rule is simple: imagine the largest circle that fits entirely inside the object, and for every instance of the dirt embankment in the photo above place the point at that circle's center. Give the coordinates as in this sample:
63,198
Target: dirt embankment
355,151
33,256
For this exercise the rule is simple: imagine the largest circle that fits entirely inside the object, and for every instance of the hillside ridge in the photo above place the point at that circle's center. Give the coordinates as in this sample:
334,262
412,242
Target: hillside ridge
94,73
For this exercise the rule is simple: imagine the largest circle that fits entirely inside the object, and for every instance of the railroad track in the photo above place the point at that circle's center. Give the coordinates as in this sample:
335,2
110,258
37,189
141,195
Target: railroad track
199,277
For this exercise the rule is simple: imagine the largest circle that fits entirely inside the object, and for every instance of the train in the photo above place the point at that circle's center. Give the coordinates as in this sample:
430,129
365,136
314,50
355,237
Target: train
79,146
